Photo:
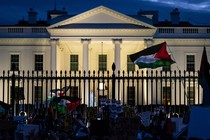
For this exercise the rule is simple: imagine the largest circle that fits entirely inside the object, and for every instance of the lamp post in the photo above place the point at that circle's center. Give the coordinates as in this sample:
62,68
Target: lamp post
13,90
113,80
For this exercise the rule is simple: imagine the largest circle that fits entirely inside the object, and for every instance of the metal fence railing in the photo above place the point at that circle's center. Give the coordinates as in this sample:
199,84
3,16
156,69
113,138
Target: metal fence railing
143,88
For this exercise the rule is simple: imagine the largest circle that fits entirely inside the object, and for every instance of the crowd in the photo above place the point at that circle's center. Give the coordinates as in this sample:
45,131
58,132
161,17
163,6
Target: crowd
111,123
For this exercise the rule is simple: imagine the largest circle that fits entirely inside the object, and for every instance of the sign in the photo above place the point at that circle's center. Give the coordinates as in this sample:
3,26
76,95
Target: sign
145,117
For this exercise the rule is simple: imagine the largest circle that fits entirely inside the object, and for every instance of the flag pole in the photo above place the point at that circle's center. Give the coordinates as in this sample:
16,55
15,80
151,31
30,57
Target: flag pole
181,80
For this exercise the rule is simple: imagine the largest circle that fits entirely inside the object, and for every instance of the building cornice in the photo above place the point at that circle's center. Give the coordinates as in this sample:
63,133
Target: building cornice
102,32
184,42
24,42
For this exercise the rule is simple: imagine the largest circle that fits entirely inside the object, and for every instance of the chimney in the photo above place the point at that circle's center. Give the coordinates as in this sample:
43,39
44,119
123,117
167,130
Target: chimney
32,16
175,16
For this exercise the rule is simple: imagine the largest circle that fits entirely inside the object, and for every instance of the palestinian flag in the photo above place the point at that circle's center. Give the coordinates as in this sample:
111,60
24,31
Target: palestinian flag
152,57
65,104
204,75
204,78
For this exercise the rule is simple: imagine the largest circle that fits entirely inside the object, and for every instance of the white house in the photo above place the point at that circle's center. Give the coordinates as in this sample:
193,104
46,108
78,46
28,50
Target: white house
93,40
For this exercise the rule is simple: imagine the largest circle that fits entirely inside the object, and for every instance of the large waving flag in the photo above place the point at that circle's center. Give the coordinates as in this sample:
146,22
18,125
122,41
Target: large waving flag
204,78
152,57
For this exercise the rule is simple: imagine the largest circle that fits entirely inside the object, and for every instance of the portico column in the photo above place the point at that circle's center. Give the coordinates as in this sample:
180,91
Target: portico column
117,43
53,55
117,60
85,43
85,96
54,61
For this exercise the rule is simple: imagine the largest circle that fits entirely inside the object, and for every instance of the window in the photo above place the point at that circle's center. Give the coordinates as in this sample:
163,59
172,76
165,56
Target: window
166,96
102,62
38,62
131,95
19,93
74,62
130,64
14,62
191,94
38,93
74,91
190,62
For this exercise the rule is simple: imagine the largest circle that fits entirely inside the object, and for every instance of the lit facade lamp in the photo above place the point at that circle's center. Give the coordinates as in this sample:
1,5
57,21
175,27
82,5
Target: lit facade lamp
101,86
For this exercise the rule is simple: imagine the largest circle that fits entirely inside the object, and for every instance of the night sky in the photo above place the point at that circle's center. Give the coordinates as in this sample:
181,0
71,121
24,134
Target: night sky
195,11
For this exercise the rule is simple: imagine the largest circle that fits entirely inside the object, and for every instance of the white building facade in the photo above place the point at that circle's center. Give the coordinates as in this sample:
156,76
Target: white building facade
96,39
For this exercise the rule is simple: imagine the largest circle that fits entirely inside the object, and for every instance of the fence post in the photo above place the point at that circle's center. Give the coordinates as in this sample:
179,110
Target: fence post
113,80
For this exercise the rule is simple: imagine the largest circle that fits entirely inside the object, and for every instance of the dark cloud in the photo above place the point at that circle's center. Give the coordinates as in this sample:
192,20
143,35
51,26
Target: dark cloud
14,10
194,1
185,4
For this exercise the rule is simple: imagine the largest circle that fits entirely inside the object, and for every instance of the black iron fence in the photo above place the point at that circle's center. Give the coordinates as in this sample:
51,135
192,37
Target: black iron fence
144,88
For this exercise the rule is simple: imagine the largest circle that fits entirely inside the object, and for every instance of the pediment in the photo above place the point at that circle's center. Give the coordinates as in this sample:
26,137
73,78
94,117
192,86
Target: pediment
101,16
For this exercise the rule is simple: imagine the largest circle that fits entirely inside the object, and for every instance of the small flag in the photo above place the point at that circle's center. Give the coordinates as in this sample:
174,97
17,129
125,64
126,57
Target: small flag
204,78
72,105
152,57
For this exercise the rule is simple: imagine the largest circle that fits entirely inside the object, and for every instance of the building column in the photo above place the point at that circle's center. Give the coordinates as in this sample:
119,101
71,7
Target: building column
53,55
54,61
85,43
117,59
117,43
85,66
